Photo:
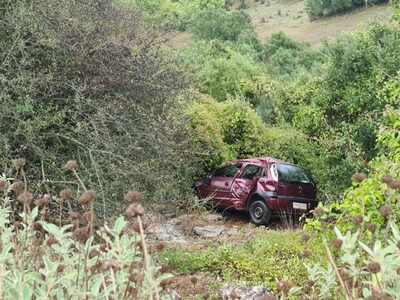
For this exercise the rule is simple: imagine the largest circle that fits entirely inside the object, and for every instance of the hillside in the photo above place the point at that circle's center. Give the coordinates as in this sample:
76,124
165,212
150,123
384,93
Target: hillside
290,18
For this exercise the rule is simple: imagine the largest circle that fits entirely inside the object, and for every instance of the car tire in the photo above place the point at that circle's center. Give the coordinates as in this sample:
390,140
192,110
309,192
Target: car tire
260,214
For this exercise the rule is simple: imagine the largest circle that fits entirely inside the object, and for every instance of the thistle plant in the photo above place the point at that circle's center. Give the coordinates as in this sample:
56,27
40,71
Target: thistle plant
76,259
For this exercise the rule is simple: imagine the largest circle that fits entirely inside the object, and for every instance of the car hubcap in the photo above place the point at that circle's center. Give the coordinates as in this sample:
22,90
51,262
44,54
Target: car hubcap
258,212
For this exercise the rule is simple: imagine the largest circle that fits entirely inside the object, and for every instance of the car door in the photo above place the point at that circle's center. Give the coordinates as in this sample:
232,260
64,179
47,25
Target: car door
221,182
244,184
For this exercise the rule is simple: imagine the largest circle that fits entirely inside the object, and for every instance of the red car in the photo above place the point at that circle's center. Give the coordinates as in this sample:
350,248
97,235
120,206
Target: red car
261,186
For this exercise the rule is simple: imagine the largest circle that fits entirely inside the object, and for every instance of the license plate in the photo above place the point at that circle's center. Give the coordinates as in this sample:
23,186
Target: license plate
302,206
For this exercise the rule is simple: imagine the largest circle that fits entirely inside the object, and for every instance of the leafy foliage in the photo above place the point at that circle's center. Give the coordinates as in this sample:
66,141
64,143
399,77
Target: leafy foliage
84,80
322,8
269,256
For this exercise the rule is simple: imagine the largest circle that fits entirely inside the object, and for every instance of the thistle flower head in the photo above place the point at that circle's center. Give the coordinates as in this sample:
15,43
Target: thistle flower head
358,177
19,163
132,196
110,264
318,212
25,198
81,235
357,219
135,209
305,237
284,286
51,241
136,277
18,187
337,243
386,210
86,198
371,227
374,267
3,185
66,194
70,165
43,201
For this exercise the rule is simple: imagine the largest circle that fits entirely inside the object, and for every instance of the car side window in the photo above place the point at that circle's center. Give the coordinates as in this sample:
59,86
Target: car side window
229,171
250,172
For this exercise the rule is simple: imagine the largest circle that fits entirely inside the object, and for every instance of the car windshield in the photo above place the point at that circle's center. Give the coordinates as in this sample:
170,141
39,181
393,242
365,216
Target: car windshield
292,173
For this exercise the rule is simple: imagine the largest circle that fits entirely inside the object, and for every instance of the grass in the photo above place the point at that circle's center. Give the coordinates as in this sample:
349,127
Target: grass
270,256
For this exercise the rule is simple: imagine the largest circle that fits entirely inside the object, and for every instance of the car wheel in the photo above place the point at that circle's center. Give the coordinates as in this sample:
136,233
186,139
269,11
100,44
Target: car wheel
260,214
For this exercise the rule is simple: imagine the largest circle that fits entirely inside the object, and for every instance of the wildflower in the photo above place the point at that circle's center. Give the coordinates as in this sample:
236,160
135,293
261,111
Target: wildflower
51,241
134,210
306,253
66,194
303,297
60,268
344,275
110,264
86,198
394,184
18,187
3,185
371,227
25,198
80,235
136,277
386,210
374,267
387,179
358,177
19,163
310,283
36,226
132,196
318,212
284,286
42,201
357,219
70,165
305,237
337,243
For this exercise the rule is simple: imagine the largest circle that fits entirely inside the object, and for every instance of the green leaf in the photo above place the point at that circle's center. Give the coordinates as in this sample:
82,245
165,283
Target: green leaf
119,225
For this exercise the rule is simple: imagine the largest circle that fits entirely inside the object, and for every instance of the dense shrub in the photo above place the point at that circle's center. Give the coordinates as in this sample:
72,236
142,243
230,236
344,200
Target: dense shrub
222,25
322,8
85,80
339,106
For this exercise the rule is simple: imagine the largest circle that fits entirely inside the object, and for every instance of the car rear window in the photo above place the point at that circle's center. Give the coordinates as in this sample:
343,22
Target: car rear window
292,173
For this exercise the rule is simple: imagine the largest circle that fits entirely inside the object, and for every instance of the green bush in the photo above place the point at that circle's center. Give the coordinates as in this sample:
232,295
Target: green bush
222,25
269,256
94,86
322,8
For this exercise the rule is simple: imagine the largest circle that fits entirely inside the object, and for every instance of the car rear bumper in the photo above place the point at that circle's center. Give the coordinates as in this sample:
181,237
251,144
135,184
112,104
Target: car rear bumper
291,204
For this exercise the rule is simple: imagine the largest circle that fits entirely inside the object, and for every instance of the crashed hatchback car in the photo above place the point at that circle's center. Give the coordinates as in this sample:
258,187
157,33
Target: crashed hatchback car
261,186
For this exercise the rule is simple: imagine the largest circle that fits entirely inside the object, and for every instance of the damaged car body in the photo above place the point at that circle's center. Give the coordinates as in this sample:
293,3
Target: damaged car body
261,186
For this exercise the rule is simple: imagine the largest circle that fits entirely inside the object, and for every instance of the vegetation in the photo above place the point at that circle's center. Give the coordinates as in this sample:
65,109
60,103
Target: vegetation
321,8
39,259
95,81
268,256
